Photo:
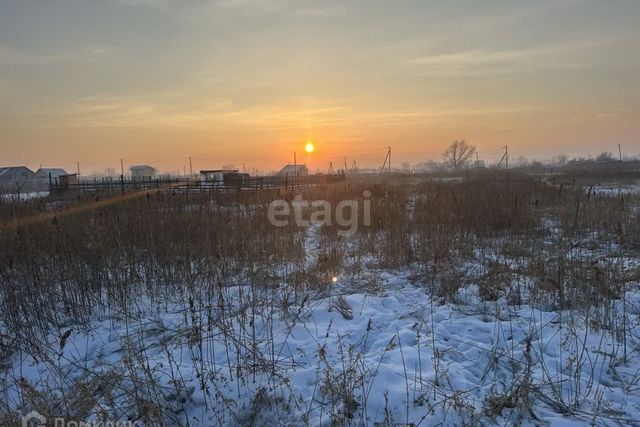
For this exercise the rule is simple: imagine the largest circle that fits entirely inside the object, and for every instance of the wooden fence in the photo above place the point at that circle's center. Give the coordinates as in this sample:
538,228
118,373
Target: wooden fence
110,185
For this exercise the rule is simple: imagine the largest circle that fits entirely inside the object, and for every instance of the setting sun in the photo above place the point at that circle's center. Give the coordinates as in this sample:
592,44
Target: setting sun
309,148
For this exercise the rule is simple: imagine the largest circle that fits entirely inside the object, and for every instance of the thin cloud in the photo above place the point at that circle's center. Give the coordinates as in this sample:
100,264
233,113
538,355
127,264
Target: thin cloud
322,12
129,112
11,56
133,112
255,5
480,62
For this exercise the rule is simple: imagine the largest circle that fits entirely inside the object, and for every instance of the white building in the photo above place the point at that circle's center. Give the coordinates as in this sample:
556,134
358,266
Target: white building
294,170
16,179
142,172
44,175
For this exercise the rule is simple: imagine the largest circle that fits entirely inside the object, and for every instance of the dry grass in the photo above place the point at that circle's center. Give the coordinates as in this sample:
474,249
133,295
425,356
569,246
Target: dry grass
62,263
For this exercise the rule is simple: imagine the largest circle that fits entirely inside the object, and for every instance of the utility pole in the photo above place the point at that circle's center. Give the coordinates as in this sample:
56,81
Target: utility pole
477,160
295,166
122,175
190,168
389,159
78,164
620,152
506,156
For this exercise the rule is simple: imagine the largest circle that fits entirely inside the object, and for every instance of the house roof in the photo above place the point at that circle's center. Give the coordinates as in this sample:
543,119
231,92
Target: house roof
293,169
54,172
141,167
6,172
219,171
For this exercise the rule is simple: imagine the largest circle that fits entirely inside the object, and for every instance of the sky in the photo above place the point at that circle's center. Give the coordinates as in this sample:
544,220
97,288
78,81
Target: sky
248,82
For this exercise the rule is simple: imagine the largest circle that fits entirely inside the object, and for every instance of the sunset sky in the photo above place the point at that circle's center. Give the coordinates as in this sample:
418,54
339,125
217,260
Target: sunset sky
250,81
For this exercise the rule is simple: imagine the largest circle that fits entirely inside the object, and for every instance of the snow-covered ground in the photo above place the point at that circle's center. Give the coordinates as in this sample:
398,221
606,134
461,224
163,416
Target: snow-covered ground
373,349
25,196
615,190
388,354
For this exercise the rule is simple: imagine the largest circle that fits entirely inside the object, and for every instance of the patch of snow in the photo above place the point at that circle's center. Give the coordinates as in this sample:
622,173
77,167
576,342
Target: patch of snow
398,356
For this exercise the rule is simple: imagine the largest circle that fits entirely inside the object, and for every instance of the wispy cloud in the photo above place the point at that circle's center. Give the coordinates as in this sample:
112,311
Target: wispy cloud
11,56
154,3
325,9
260,5
323,12
293,114
480,62
117,111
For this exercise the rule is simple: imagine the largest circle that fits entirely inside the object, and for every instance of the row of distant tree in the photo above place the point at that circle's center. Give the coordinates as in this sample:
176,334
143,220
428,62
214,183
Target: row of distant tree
460,155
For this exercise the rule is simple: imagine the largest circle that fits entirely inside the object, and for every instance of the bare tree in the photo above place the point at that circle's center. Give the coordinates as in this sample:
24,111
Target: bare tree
605,156
458,153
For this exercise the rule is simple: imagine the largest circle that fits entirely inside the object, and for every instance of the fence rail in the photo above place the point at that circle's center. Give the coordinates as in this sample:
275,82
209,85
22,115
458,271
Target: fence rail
107,185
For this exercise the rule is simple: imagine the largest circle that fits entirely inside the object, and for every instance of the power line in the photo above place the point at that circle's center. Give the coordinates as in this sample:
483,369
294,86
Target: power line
491,150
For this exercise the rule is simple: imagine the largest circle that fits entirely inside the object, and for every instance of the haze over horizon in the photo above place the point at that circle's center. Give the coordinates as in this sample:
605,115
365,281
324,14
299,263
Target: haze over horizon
250,81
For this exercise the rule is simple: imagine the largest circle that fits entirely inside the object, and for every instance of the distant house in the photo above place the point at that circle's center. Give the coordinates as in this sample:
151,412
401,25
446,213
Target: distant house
142,172
216,175
294,170
223,176
16,179
43,175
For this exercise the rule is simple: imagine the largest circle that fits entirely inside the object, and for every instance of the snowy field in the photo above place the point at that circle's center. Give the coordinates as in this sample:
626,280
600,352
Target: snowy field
538,325
379,357
616,190
24,196
377,349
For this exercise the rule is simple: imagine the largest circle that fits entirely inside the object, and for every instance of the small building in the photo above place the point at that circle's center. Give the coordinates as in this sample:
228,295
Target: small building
142,172
66,182
216,175
223,176
294,170
45,176
16,179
